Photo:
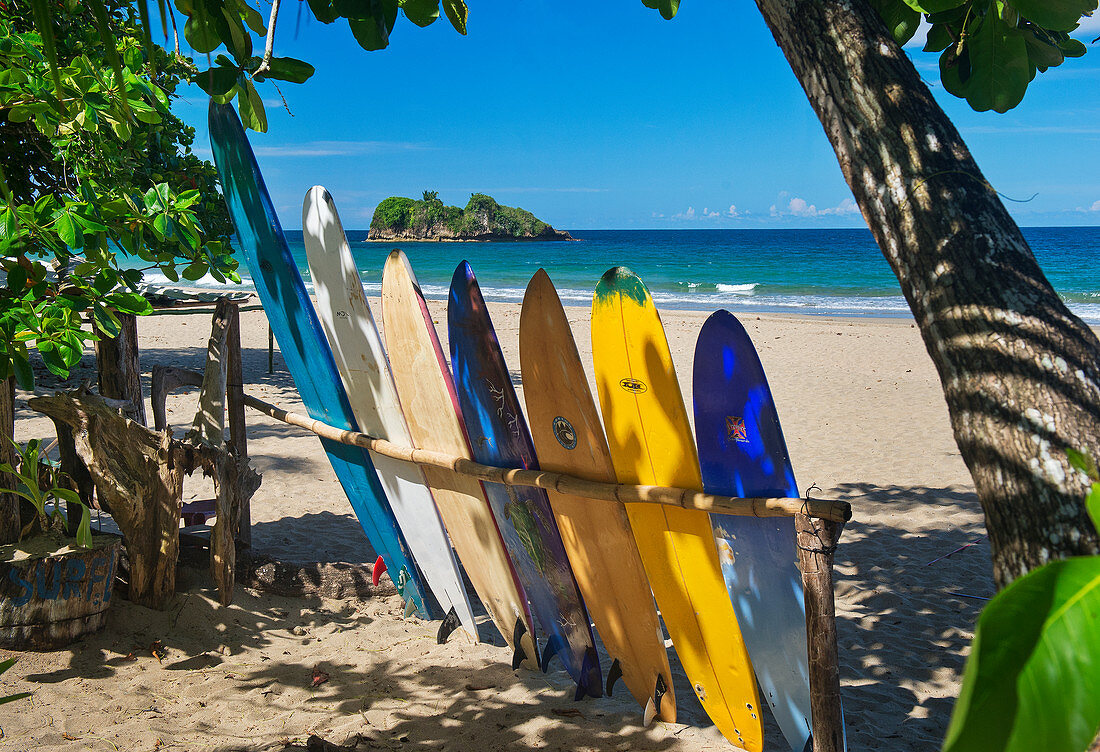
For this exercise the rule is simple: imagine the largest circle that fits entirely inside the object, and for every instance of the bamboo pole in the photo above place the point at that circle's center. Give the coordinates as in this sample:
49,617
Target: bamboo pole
827,509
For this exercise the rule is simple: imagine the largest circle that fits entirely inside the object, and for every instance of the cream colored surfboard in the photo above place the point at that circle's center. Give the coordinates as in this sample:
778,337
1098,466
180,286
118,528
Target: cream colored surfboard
652,444
568,437
349,326
427,395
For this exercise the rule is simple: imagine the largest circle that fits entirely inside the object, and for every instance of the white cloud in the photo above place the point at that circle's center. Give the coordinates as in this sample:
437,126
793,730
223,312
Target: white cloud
578,189
1095,206
733,211
689,214
711,214
336,148
800,207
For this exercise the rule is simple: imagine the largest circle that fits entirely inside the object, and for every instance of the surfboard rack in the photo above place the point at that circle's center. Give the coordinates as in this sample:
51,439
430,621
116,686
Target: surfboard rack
825,509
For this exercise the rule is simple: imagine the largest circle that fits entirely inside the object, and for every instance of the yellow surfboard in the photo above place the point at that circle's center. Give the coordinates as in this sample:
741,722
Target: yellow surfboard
427,396
565,427
651,444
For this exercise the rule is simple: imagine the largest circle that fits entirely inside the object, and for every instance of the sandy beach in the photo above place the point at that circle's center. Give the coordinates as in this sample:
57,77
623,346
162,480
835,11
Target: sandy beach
864,418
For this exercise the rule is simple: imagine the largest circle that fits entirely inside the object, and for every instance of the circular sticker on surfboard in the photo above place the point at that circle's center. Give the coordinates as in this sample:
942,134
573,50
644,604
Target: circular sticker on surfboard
632,385
564,433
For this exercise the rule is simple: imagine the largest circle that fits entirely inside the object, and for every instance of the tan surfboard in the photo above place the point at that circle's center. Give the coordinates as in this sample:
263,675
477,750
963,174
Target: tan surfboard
427,395
568,437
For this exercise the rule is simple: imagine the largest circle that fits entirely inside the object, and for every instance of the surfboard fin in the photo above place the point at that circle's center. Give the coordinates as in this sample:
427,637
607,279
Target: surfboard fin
410,608
653,704
547,654
377,571
613,675
580,693
450,624
520,655
590,671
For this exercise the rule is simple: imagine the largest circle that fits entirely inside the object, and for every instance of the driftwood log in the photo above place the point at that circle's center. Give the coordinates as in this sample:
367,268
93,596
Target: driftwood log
139,473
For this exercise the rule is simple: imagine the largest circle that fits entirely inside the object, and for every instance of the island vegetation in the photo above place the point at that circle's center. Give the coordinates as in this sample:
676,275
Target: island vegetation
400,218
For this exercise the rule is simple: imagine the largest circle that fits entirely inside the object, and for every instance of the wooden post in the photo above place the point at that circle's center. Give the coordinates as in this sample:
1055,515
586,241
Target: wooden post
238,432
119,371
79,479
816,540
9,503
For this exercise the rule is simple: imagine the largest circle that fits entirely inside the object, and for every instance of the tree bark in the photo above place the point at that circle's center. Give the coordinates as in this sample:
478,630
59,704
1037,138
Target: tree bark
119,370
9,503
1020,373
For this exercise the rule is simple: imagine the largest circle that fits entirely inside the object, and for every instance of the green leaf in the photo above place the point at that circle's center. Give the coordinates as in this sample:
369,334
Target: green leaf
251,108
667,8
24,374
373,32
1032,681
43,22
457,14
999,66
99,12
900,19
205,31
84,529
421,12
1092,504
936,6
1083,462
67,494
13,698
195,270
939,38
67,231
289,69
323,11
252,17
1055,15
105,320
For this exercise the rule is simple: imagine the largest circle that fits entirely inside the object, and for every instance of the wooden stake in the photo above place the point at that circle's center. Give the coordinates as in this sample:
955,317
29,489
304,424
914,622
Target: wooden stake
817,541
119,371
238,432
9,503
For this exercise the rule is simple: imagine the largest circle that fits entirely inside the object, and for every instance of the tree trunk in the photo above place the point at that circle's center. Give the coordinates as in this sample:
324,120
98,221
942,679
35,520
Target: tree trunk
1021,374
119,370
9,503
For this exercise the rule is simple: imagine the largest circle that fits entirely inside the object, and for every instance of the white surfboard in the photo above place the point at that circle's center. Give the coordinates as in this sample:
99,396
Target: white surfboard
349,325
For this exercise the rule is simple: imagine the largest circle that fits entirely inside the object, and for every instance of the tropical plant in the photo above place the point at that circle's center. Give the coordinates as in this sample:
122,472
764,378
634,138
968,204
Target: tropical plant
29,476
1033,677
95,168
4,666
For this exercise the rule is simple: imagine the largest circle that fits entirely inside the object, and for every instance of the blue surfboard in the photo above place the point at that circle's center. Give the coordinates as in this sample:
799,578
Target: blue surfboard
303,344
499,436
742,453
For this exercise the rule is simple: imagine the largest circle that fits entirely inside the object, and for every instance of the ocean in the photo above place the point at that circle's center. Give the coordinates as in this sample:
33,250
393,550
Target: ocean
825,272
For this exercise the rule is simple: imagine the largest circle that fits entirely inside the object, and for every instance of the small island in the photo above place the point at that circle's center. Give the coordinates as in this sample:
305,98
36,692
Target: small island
400,218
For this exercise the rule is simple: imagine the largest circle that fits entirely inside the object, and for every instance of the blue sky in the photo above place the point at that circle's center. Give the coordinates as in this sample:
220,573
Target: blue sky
603,115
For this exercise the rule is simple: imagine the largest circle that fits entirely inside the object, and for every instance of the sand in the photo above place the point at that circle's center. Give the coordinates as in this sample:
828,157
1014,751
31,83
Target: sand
865,421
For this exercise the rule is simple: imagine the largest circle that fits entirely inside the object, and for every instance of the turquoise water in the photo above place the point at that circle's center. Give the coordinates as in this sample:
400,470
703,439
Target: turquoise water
798,271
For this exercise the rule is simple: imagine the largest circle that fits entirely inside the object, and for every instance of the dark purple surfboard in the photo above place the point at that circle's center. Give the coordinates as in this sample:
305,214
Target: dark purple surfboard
742,453
499,436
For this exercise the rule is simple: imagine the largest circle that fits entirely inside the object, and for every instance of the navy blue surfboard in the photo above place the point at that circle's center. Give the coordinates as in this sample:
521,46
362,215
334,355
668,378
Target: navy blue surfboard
742,453
303,344
499,436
